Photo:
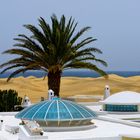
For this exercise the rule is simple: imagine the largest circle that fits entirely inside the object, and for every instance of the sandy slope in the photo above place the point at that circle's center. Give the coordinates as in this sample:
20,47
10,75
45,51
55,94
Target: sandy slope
37,87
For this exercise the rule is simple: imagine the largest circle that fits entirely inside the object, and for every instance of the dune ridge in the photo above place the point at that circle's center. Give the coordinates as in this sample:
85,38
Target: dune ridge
36,88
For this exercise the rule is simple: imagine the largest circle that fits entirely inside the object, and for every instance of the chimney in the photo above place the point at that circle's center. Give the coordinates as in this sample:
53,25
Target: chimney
26,102
50,94
107,92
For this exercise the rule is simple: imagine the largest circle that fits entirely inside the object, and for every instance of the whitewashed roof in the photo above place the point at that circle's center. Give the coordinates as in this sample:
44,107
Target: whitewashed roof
124,97
104,130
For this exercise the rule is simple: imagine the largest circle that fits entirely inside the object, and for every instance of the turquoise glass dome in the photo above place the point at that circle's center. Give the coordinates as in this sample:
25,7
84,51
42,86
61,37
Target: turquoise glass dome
56,110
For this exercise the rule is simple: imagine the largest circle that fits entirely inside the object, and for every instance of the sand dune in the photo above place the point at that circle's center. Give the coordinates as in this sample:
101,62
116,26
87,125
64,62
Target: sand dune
37,87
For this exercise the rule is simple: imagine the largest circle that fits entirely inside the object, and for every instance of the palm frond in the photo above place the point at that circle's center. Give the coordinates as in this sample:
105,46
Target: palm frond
86,52
62,23
16,72
27,43
79,34
83,43
11,67
14,61
85,59
38,35
45,28
85,65
101,62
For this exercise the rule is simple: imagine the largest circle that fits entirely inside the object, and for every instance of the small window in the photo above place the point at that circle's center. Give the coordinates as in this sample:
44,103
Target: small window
121,108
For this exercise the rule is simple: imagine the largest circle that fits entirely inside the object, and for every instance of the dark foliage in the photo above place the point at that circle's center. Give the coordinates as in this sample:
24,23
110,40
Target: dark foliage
8,99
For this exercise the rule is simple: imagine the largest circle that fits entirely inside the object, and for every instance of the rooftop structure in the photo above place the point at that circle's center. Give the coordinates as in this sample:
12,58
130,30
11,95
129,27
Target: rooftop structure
50,94
107,92
126,101
26,102
58,113
105,130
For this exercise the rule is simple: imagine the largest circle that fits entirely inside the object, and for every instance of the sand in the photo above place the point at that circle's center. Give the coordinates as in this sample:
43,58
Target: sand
36,88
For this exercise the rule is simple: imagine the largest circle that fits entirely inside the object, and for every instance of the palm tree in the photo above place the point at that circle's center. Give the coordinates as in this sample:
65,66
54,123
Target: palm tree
53,49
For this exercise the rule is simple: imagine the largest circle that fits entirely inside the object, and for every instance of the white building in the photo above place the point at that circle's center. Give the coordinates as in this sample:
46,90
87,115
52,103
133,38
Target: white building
107,126
126,101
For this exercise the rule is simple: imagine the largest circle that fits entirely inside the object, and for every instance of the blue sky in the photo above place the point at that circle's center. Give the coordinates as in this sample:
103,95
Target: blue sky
115,23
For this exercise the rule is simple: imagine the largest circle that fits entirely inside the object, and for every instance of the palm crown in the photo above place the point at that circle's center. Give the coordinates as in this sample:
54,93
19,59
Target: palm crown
53,49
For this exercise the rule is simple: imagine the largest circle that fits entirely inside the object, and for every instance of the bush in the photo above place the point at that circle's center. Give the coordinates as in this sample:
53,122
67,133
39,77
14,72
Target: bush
8,99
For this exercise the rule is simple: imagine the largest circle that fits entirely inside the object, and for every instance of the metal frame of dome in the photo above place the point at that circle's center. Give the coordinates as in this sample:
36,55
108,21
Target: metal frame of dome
56,110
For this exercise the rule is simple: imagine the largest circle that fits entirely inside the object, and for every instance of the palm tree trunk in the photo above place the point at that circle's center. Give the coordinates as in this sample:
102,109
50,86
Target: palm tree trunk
54,82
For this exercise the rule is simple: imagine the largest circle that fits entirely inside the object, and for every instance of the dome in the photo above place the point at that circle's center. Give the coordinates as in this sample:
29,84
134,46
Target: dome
125,98
56,110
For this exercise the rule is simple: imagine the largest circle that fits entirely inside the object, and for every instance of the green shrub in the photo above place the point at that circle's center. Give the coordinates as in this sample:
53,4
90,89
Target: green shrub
8,99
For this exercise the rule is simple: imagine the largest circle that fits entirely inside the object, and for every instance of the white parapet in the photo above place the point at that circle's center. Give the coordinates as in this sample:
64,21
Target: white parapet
24,134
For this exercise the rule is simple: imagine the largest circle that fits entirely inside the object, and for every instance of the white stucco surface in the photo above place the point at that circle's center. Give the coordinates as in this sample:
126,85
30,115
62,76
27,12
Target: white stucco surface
125,97
104,129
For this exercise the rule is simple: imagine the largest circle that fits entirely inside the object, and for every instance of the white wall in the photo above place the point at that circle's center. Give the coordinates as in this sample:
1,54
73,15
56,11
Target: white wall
105,138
